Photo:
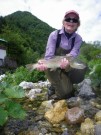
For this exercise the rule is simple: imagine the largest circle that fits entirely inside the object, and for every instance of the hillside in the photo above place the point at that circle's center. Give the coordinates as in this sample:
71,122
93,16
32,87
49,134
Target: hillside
26,35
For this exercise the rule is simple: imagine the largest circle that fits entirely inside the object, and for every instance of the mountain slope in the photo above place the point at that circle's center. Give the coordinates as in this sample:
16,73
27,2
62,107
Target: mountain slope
27,34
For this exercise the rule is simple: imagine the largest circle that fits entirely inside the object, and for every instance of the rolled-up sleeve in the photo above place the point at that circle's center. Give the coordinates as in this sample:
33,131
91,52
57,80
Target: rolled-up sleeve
51,44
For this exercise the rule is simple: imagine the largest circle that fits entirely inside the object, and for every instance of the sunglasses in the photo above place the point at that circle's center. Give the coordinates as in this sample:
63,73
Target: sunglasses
72,20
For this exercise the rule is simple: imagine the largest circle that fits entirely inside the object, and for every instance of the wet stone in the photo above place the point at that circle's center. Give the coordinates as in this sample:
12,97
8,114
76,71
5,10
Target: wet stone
98,129
74,101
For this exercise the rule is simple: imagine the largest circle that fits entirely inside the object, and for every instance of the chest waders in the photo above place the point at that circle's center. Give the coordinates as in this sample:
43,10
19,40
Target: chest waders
61,80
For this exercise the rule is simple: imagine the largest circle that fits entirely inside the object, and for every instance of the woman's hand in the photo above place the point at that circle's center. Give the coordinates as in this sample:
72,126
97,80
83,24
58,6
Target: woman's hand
64,63
41,66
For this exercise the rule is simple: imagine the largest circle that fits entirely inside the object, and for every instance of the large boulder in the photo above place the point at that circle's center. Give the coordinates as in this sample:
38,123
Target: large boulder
57,113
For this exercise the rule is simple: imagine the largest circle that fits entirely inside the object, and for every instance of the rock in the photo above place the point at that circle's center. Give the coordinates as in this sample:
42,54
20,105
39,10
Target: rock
45,106
44,124
33,93
26,85
98,116
74,115
57,114
95,104
98,129
98,122
87,81
89,110
42,84
74,101
86,91
43,130
65,132
87,127
78,133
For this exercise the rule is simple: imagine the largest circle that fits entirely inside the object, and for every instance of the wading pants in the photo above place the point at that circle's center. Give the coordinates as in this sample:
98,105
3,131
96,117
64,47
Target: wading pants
63,81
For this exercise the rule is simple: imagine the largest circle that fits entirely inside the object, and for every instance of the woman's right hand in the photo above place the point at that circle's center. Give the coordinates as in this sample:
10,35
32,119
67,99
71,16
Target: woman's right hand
41,66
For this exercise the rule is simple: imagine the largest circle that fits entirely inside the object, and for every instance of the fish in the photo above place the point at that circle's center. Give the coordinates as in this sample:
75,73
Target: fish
55,63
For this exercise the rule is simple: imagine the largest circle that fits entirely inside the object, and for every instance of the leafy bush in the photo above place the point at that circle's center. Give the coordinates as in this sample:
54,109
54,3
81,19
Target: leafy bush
89,51
22,74
94,62
8,105
95,75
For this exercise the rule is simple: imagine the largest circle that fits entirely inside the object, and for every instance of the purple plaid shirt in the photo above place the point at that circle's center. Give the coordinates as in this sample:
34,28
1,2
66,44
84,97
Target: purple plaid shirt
65,44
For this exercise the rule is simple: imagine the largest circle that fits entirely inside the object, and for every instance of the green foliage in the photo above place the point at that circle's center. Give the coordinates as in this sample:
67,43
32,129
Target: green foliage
83,58
8,106
3,98
3,116
91,55
37,76
14,92
15,110
22,74
95,75
94,62
90,51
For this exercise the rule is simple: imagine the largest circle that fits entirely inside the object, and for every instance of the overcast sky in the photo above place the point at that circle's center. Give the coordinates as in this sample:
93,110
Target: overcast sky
52,12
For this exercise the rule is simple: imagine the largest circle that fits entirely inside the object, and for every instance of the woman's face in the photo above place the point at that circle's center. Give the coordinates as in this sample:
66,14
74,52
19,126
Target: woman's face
71,23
